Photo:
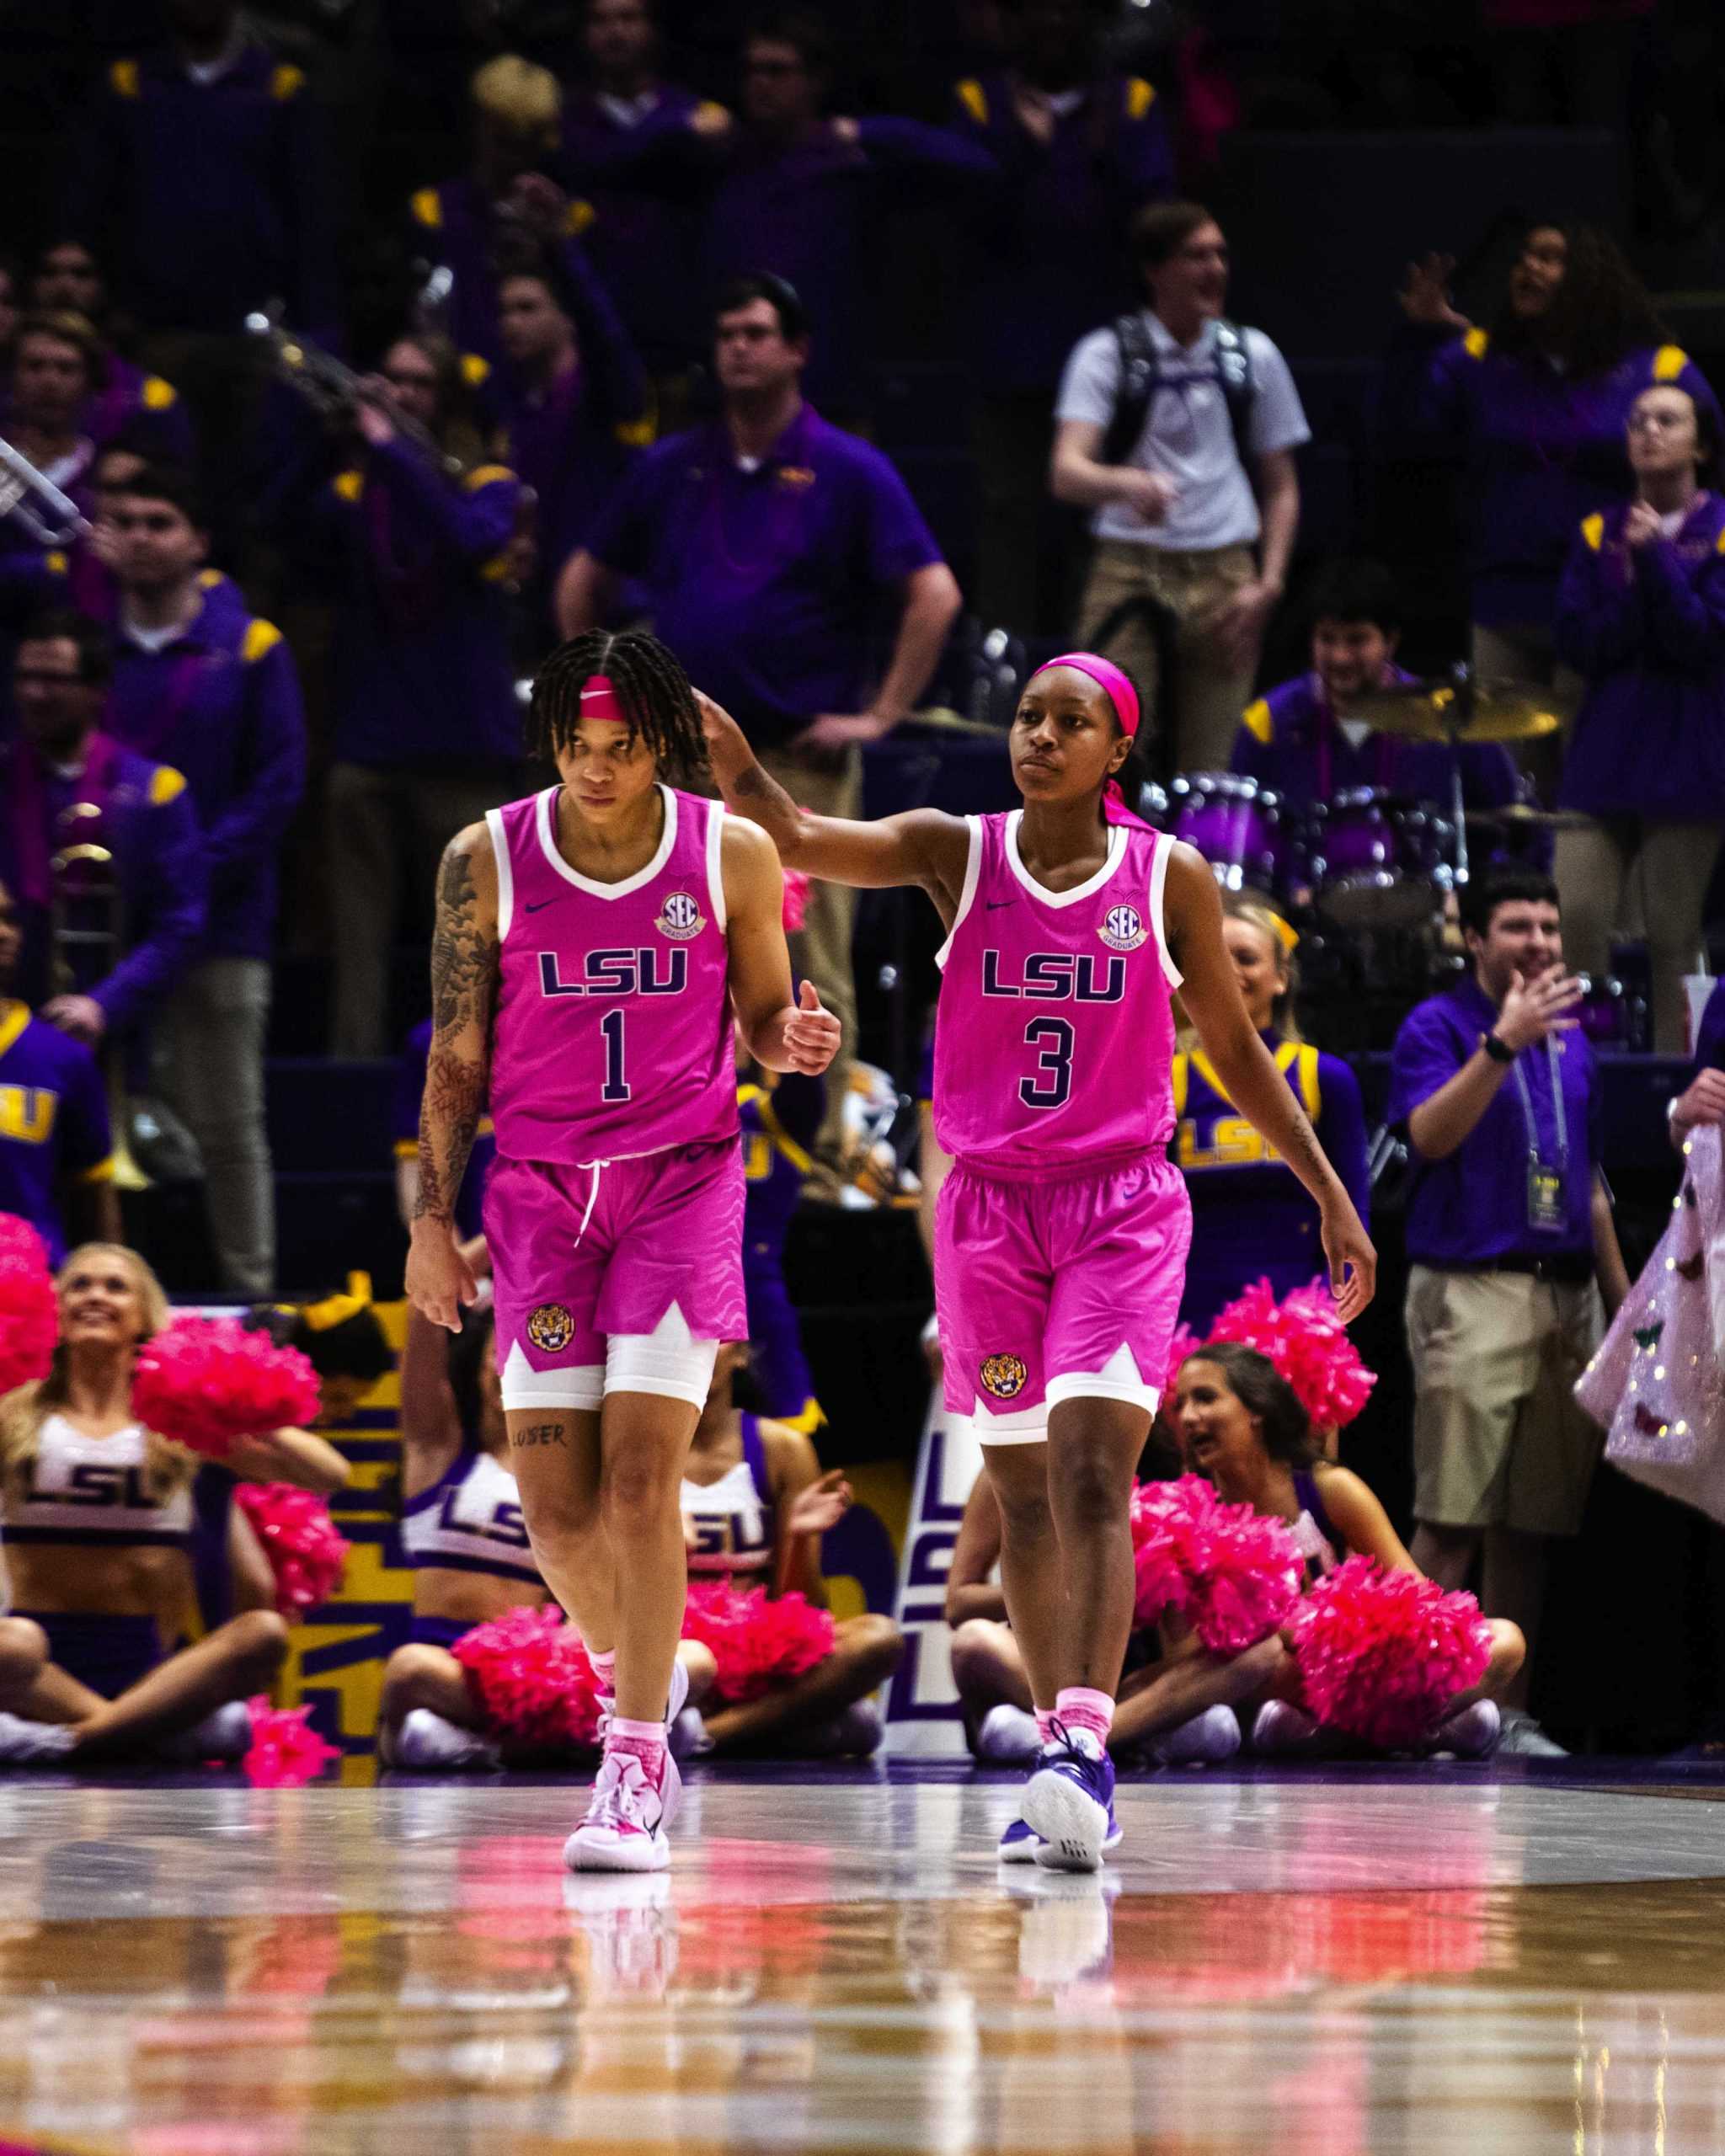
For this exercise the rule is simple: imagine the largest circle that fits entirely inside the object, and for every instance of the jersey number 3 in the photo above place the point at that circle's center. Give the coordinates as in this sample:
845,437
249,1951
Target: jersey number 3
1053,1089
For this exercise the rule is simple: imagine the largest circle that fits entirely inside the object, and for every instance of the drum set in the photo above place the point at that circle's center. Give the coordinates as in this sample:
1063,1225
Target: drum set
1369,878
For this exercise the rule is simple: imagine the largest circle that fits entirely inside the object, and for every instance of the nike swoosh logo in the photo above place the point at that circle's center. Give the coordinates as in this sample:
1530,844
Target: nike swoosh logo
539,905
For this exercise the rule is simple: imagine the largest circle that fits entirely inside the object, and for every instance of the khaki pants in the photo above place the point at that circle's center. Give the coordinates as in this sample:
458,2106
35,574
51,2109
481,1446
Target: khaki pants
209,1057
1662,870
384,826
821,952
1498,1440
1201,706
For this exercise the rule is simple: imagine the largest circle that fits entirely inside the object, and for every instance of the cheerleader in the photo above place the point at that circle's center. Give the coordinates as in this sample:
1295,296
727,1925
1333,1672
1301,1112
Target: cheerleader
98,1533
1242,1428
463,1537
756,1505
1250,1213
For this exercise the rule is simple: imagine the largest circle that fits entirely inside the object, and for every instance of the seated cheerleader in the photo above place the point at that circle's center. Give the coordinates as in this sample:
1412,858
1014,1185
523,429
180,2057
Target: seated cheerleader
756,1505
464,1540
98,1526
1243,1429
1175,1703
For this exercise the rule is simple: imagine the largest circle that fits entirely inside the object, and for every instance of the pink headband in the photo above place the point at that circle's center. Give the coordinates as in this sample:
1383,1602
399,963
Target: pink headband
598,700
1108,676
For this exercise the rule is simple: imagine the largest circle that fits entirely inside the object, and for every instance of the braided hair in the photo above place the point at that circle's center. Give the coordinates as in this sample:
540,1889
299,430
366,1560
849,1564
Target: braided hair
650,685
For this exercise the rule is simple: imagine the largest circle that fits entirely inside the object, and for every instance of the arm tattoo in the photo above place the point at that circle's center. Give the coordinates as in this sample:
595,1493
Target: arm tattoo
463,990
768,803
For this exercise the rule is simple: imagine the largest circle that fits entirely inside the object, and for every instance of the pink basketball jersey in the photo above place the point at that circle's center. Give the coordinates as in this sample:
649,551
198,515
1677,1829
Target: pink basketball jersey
1054,1041
613,1031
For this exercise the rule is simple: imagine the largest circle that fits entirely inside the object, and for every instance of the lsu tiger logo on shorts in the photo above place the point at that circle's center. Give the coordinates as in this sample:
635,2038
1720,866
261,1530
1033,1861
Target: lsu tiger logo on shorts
1005,1376
680,917
1123,929
551,1328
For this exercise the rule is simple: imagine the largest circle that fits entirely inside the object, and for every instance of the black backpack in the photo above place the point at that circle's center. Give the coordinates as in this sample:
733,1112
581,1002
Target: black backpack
1142,377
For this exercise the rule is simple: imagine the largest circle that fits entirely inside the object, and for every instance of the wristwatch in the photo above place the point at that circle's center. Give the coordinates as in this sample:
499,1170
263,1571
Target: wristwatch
1499,1051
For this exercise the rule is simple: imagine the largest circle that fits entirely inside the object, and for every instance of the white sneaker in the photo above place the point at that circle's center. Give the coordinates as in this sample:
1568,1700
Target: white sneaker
688,1738
1283,1728
224,1734
1205,1741
1008,1737
428,1744
1471,1734
624,1828
1523,1738
23,1743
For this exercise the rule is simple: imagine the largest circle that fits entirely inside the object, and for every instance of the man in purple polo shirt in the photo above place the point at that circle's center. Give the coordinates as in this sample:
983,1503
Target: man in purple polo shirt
1511,1242
220,700
770,545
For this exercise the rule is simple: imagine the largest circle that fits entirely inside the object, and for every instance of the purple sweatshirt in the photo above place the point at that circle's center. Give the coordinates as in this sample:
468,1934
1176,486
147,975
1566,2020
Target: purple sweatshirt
1050,250
222,704
1542,451
207,199
1647,630
1289,739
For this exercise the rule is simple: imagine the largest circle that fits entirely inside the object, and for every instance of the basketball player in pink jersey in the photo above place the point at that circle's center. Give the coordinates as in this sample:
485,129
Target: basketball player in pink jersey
591,944
1062,1231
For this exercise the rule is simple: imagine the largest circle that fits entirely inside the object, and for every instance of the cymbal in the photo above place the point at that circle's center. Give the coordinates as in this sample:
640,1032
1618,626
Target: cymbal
1521,815
1425,710
945,720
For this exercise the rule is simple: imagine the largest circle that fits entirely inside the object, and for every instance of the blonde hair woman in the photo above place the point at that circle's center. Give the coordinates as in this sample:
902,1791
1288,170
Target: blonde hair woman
99,1525
1250,1216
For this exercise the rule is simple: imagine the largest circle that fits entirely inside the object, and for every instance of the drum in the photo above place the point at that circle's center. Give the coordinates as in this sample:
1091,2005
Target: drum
1611,1016
1378,863
1237,825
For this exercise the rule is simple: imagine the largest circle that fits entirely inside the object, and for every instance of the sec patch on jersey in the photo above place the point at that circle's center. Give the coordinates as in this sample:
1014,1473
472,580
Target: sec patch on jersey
680,917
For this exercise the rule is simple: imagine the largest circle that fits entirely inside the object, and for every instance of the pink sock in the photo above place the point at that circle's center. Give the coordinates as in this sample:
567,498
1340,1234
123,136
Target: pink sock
1042,1723
645,1740
604,1668
1080,1707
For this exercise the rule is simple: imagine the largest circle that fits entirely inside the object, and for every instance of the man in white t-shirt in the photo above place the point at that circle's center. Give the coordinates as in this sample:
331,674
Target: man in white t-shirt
1196,505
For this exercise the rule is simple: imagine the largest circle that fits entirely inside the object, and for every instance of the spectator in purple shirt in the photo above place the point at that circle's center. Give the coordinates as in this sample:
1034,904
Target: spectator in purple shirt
1641,616
125,399
462,223
1535,408
421,548
573,396
643,150
56,361
1511,1240
775,548
66,782
1079,148
217,693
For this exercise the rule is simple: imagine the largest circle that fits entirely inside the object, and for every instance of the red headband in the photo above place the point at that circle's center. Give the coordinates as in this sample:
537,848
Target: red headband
1108,676
598,700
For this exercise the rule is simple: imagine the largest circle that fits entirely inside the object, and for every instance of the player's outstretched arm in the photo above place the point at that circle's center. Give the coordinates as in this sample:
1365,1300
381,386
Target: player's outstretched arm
780,1033
1211,995
924,846
464,957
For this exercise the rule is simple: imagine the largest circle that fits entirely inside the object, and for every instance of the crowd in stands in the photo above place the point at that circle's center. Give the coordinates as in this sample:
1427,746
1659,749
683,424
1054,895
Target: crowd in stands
326,460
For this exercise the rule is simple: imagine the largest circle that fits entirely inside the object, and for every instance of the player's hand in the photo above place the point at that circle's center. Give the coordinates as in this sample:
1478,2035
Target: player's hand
1703,1102
440,1281
80,1015
1424,297
812,1036
1354,1262
728,749
822,1505
1533,1009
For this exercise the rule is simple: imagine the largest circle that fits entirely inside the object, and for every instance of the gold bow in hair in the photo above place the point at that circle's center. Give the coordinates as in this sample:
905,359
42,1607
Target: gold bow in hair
337,1309
1289,934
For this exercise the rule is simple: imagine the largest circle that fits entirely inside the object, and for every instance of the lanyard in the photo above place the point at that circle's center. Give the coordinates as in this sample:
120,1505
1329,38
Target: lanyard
1557,1105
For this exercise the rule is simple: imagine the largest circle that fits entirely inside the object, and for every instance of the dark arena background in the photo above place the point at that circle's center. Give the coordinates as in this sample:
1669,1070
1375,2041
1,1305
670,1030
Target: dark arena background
1345,372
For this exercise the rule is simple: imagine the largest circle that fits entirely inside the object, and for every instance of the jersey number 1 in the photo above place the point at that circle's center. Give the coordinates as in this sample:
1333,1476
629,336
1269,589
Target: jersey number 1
1054,1089
616,1087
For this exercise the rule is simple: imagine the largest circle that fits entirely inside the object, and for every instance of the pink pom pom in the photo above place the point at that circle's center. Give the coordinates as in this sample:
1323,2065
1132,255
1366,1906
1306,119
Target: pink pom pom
306,1550
29,1316
206,1382
533,1679
1230,1572
1382,1654
759,1641
286,1752
1308,1344
796,903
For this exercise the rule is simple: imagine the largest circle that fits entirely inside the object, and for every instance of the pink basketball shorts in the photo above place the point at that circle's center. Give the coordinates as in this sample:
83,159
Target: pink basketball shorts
1066,1287
580,1256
